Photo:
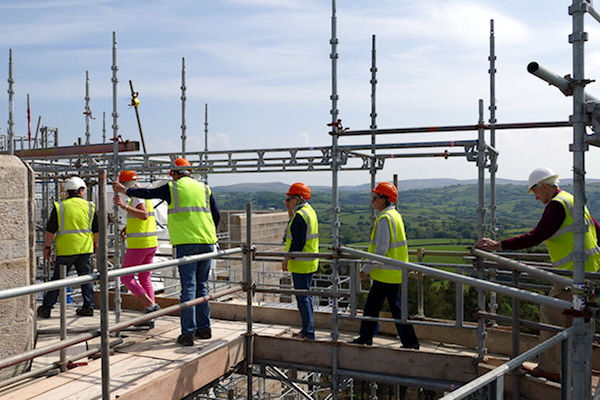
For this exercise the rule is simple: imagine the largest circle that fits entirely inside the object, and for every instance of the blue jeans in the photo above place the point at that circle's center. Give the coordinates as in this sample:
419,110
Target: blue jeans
193,279
83,266
305,305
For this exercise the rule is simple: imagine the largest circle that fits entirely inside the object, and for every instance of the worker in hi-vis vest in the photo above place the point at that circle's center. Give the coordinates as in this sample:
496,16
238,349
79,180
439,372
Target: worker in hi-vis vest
556,228
73,224
302,235
141,239
193,217
388,239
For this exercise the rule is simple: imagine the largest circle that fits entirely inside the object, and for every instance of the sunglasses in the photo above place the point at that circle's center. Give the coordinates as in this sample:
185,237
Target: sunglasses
373,198
288,199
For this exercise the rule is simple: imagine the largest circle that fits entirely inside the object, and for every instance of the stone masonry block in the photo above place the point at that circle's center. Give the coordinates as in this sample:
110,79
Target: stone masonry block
8,311
13,214
20,248
5,249
14,273
13,175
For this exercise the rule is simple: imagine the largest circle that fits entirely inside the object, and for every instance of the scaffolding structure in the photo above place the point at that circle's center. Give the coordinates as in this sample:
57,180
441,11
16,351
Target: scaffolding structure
89,160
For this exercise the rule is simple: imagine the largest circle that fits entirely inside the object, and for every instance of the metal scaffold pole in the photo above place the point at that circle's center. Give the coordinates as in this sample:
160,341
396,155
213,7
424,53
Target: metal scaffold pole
183,99
248,281
581,354
102,265
205,158
11,104
115,174
335,225
373,116
492,122
481,159
103,126
493,166
87,111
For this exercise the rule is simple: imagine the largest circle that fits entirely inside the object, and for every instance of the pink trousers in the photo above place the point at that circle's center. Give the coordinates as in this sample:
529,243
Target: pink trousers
138,257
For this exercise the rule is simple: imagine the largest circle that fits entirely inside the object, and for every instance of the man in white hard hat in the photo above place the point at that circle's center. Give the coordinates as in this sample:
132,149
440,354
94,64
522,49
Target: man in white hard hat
555,227
75,224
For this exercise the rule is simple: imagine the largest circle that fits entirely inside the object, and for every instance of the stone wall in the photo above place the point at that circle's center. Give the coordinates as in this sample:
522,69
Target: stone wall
267,227
16,259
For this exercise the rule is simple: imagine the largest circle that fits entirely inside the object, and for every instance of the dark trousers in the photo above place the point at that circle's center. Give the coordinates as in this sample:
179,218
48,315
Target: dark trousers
378,293
305,305
83,266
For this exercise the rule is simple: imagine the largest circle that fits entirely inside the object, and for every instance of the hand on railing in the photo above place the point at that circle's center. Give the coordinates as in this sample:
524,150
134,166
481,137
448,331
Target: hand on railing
488,244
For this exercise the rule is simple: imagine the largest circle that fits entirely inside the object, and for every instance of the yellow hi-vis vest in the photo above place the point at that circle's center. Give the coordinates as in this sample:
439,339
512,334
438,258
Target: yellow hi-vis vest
560,245
308,264
398,248
190,220
74,234
141,234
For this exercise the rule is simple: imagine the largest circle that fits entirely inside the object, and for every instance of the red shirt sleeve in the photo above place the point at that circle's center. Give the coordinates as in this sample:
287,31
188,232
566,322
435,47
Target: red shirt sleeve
552,219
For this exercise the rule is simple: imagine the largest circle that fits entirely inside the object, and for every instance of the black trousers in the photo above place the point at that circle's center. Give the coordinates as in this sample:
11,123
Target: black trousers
378,293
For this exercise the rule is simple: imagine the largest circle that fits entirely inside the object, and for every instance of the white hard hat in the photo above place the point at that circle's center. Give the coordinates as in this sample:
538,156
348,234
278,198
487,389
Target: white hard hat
541,175
74,183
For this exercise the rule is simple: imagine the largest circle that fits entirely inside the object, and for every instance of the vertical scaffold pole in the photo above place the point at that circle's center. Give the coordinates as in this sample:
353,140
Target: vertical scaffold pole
481,334
334,199
103,126
115,172
87,111
205,172
11,105
248,280
373,121
581,354
102,265
493,166
28,122
183,99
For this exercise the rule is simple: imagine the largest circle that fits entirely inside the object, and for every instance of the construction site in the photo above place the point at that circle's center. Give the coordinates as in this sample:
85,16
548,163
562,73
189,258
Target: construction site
252,354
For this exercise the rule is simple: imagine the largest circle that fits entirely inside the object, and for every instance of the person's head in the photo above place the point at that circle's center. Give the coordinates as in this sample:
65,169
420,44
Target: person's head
180,169
75,186
543,183
128,178
384,195
298,193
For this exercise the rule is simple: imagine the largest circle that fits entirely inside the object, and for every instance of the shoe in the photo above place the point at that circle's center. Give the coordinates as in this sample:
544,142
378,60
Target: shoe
540,373
152,308
85,312
186,340
302,335
203,334
43,312
361,340
147,324
412,346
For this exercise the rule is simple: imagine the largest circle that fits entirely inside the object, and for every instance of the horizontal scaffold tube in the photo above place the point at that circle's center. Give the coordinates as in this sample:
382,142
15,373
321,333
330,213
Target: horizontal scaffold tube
495,287
517,266
18,358
455,128
78,280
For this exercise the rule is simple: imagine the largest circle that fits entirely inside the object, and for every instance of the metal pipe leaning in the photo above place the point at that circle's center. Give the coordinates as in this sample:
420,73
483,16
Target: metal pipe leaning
509,291
517,266
563,84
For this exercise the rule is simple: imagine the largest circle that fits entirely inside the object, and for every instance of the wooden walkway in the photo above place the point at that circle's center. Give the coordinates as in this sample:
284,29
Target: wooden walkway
149,364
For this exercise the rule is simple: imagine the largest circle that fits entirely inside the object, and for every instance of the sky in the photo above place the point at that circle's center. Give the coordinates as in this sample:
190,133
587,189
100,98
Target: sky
263,68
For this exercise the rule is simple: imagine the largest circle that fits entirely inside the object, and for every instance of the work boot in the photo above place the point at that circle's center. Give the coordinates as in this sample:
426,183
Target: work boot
186,340
152,308
361,340
203,334
43,312
85,312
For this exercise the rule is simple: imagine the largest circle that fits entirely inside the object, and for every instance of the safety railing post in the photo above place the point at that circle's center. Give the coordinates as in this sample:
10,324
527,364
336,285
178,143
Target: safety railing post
248,284
63,317
516,345
354,287
459,301
420,287
101,263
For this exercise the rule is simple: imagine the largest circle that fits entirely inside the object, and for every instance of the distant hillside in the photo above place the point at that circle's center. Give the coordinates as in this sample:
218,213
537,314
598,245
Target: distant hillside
403,185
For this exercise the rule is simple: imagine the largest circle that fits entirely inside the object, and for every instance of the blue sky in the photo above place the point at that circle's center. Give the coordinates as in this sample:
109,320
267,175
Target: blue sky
263,68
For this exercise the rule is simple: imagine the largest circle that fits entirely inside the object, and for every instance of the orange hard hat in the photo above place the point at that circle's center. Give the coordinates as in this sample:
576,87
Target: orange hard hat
300,189
388,190
182,162
127,175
